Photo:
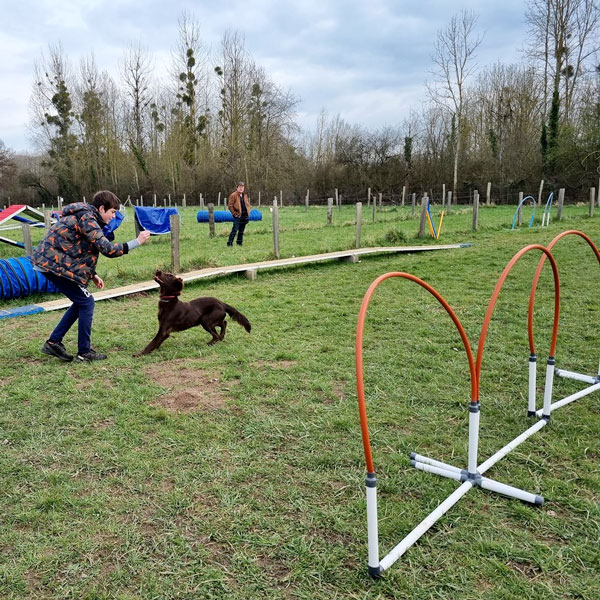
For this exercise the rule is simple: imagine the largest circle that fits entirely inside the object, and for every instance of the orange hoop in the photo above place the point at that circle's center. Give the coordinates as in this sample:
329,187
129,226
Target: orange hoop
492,304
359,359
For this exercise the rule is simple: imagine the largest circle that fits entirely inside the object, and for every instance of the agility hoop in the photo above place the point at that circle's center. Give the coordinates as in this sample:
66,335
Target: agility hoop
472,476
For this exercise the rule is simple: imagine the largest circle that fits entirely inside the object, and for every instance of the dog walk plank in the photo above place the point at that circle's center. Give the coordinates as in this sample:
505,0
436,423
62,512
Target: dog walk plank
144,286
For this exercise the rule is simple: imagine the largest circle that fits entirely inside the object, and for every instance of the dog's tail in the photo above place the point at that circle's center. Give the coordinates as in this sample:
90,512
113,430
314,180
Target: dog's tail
238,317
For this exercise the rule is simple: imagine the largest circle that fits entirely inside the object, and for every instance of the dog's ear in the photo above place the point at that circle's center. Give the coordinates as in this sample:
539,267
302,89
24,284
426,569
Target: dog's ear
179,283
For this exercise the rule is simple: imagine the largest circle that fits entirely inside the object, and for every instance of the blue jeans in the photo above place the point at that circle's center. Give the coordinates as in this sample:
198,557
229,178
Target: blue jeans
82,309
239,225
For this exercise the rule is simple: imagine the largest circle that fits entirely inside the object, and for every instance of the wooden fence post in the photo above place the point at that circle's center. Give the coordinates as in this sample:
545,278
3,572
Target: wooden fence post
369,197
329,210
276,228
540,193
488,195
27,239
47,219
592,200
219,199
403,193
307,199
201,202
561,199
414,201
154,204
169,199
380,199
259,197
183,202
449,204
141,200
358,222
281,198
423,219
174,222
337,199
211,220
475,210
520,211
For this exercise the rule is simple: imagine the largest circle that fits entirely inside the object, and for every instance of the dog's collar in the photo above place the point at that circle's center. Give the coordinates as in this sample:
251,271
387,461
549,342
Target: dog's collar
167,298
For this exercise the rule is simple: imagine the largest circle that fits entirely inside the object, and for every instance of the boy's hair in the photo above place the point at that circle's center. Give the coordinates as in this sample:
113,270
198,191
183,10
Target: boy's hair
105,199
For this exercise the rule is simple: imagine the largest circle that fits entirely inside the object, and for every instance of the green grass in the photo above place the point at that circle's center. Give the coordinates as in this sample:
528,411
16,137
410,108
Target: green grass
237,471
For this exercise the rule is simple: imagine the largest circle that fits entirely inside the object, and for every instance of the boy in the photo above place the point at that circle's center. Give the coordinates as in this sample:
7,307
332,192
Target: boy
67,256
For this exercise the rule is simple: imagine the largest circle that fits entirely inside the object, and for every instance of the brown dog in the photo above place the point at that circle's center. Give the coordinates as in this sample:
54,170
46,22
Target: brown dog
174,315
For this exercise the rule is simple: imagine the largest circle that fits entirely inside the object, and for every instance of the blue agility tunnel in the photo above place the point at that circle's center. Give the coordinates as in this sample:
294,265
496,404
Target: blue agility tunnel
17,279
224,216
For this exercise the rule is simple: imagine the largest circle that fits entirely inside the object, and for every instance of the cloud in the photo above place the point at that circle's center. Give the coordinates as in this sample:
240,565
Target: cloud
366,60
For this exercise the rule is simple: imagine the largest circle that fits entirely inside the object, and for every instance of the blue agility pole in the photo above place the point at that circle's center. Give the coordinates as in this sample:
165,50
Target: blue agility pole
517,211
547,210
433,231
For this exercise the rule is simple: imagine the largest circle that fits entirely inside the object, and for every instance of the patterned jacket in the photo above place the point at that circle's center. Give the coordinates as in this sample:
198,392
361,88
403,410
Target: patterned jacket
71,247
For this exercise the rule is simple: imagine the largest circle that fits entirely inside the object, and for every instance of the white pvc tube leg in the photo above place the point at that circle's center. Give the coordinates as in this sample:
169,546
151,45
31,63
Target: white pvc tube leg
548,387
510,491
456,475
388,560
473,436
576,376
572,398
418,458
492,460
532,384
372,530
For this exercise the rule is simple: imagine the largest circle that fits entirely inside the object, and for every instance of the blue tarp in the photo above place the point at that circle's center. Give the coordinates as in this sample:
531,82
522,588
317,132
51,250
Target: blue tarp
17,278
223,216
154,220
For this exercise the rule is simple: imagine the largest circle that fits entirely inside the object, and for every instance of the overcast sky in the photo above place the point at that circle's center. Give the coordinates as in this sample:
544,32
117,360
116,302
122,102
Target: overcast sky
364,60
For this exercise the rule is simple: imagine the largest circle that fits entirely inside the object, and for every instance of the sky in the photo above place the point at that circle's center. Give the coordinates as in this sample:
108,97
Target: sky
366,61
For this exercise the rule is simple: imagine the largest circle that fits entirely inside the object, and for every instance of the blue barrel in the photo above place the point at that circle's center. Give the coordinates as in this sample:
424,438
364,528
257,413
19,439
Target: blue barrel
17,279
224,216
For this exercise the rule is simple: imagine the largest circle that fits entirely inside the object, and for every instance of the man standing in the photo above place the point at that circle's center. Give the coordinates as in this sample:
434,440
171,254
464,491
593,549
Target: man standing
239,206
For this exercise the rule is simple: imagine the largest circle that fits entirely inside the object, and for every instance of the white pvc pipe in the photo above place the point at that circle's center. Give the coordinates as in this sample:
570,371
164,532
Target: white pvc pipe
532,383
548,387
576,376
372,532
492,460
388,560
431,461
510,491
473,439
572,398
438,471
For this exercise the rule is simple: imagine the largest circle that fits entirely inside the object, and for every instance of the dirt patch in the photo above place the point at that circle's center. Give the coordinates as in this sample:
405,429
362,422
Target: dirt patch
190,386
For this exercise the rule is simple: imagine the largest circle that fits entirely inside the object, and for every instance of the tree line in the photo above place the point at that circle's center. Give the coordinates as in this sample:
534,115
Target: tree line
219,117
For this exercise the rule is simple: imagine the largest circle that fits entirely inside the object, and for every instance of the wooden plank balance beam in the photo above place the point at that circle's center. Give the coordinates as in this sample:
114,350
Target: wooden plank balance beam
249,269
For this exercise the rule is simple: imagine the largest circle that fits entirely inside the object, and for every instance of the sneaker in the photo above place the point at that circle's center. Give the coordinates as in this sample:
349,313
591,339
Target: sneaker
90,356
56,349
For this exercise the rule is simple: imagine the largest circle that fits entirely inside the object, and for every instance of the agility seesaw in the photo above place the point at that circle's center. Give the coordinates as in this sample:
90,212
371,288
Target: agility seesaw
473,475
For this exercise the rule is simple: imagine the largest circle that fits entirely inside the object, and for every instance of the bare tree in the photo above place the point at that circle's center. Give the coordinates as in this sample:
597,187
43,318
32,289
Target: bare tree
453,59
136,69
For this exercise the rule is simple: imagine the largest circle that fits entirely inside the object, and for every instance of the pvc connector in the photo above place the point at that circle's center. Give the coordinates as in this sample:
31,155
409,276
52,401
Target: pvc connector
375,572
531,413
371,480
539,500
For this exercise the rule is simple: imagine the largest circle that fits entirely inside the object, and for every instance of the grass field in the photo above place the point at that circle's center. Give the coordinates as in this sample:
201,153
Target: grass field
237,470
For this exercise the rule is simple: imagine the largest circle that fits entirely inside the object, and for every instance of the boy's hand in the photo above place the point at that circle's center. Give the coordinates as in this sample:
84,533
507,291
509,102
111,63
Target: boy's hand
143,237
98,282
